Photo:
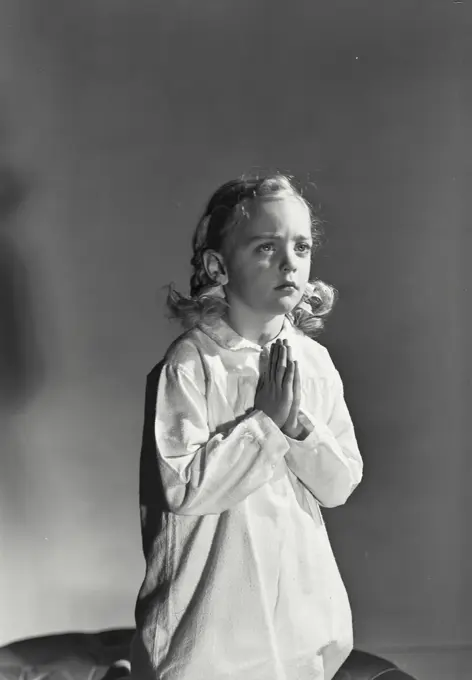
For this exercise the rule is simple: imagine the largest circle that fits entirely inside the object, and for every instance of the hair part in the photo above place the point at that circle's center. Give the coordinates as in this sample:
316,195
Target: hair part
226,209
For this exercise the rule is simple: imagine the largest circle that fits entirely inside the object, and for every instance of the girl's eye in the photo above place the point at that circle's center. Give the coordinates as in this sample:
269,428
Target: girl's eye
305,247
265,247
268,247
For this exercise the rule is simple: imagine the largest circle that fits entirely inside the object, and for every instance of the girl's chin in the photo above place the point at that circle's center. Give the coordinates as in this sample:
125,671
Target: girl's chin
284,306
281,305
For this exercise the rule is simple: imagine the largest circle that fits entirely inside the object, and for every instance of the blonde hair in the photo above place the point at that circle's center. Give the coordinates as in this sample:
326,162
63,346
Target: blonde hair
226,208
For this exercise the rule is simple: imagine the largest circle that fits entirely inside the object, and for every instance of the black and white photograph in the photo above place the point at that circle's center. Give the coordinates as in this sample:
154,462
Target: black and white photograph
235,324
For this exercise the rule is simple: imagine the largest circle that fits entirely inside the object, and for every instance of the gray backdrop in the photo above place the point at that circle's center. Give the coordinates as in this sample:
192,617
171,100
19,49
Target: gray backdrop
117,120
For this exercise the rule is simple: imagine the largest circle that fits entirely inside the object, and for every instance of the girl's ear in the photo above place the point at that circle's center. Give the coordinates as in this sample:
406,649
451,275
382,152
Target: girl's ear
215,267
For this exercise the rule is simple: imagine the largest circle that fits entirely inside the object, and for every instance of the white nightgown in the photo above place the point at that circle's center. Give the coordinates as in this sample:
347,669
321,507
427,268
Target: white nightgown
241,582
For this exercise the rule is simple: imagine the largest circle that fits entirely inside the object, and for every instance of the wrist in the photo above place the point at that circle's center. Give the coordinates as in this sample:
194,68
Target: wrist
297,431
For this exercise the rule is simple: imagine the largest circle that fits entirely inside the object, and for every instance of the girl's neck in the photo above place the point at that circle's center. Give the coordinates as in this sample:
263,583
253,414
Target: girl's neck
251,326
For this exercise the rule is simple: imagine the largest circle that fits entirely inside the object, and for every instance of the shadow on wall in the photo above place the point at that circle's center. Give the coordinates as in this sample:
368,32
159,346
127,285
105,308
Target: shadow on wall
21,368
20,363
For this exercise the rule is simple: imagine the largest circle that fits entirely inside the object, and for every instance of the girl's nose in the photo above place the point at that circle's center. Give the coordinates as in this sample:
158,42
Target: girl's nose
289,263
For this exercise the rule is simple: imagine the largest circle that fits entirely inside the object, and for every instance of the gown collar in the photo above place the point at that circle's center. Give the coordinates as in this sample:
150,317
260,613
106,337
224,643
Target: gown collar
223,334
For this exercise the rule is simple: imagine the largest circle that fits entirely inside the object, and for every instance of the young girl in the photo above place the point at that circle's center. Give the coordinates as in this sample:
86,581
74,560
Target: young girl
248,435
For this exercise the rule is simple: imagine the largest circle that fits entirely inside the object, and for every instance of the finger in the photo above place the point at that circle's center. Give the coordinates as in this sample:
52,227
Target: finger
281,365
270,366
292,419
264,361
288,376
297,391
289,352
274,354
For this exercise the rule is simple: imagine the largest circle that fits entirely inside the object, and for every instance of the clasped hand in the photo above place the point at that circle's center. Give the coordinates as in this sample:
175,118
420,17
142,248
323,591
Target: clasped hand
278,391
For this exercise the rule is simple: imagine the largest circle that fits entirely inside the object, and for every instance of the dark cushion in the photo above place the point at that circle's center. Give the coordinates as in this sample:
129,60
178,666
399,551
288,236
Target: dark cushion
65,656
87,656
364,666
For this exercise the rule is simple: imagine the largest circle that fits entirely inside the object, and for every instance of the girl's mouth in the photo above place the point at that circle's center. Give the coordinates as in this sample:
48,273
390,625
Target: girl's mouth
287,287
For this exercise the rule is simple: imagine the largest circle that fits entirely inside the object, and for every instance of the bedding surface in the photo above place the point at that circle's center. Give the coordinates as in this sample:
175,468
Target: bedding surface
88,656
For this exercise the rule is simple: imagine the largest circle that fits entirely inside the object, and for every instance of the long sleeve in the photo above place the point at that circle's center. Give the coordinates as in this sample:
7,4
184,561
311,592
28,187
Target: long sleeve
202,472
328,461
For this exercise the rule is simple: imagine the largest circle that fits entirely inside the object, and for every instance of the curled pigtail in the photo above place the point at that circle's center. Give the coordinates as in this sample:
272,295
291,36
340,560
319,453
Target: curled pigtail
199,278
206,306
316,304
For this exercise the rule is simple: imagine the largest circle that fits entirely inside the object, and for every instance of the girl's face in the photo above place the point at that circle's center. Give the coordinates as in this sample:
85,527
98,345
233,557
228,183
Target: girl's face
269,250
